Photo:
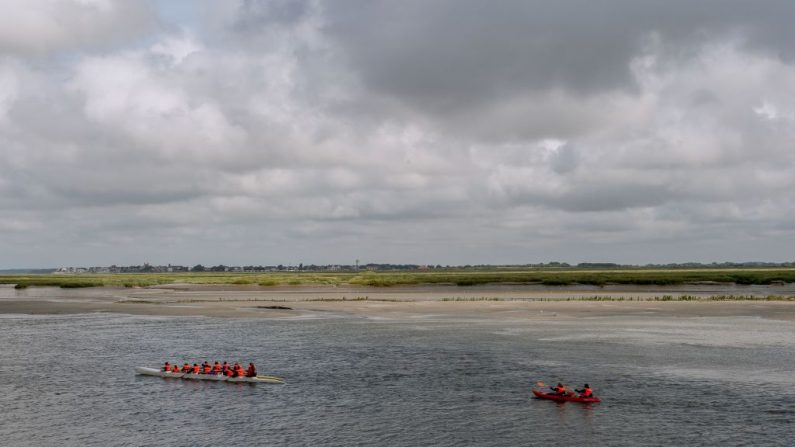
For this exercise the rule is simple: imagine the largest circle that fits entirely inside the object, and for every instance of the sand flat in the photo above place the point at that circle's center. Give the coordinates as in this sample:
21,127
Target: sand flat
496,302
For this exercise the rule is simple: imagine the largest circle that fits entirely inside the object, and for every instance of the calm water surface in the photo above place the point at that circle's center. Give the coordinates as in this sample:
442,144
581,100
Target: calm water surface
69,380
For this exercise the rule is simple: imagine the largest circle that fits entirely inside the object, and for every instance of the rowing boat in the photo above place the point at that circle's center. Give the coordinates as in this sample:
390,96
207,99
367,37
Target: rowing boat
261,378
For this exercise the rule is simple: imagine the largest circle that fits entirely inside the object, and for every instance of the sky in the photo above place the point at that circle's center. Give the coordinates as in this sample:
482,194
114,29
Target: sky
244,132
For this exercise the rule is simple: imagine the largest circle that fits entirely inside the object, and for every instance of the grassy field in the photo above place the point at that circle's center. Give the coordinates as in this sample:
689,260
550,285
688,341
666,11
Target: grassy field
550,277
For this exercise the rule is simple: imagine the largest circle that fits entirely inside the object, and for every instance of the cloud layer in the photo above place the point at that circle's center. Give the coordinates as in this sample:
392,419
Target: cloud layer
428,132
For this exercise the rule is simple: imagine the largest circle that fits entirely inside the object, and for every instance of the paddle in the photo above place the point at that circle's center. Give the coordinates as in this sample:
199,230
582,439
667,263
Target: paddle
541,384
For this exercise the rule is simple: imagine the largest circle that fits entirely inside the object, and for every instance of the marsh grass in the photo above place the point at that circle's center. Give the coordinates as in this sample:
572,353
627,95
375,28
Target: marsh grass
463,278
600,298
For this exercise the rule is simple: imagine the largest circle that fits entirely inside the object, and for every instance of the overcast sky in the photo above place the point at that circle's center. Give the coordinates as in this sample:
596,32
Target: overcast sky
412,131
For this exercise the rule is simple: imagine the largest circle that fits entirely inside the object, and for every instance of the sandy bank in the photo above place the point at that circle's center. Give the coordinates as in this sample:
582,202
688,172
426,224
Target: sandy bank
496,302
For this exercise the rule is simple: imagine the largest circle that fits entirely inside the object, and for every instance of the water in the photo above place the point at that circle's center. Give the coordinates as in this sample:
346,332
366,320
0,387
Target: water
68,380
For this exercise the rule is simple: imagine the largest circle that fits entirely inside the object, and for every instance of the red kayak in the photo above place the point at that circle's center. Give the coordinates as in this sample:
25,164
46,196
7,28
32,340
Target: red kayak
569,397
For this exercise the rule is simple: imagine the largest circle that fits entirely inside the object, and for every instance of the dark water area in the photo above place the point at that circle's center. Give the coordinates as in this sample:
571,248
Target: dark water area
69,380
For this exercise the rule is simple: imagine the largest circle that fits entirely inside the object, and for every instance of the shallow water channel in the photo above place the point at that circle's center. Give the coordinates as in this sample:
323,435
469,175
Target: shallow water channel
69,380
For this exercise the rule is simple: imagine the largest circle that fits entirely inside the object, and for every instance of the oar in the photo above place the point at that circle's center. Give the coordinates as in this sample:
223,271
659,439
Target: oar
267,376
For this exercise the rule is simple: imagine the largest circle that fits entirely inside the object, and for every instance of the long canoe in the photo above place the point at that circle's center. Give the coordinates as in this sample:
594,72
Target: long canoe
261,378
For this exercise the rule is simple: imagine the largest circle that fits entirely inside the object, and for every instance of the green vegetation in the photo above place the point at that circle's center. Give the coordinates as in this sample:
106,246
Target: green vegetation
463,277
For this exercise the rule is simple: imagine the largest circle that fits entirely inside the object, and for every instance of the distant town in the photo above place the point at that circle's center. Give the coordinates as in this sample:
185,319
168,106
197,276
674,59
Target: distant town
171,268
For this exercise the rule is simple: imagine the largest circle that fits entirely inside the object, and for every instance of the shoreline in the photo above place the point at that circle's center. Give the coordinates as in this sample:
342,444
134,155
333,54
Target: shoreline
496,302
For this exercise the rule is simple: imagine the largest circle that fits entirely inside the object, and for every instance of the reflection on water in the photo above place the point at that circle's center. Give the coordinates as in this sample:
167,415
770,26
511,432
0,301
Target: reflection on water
68,380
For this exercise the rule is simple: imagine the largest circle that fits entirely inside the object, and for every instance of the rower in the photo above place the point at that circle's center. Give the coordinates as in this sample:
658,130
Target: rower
186,368
217,368
237,370
252,370
196,369
167,367
175,368
559,389
586,391
206,368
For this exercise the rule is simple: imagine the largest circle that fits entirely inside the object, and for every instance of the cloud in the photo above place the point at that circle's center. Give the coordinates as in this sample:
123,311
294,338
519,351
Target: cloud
461,61
37,27
438,132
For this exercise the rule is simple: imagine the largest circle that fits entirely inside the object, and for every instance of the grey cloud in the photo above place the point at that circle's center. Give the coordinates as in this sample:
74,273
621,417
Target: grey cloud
254,15
444,55
597,195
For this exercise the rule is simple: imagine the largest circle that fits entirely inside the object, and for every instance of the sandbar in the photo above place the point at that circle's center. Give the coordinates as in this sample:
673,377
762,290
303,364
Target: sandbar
497,302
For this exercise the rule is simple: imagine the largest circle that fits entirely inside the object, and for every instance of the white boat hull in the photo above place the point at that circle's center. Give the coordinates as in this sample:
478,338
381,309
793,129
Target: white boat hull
214,377
157,372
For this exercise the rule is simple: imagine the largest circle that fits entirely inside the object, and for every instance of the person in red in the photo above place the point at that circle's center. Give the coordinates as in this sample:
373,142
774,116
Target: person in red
217,368
586,391
167,367
252,370
225,368
175,368
559,389
186,368
206,368
238,370
196,369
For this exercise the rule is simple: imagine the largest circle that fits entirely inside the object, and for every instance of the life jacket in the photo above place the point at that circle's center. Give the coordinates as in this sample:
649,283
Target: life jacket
216,368
228,372
206,369
186,368
559,389
252,371
239,372
587,392
167,367
195,369
175,369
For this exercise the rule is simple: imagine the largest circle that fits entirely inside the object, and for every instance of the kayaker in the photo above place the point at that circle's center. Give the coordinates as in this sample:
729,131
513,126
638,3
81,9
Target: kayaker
559,389
217,368
586,391
167,367
196,369
252,370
